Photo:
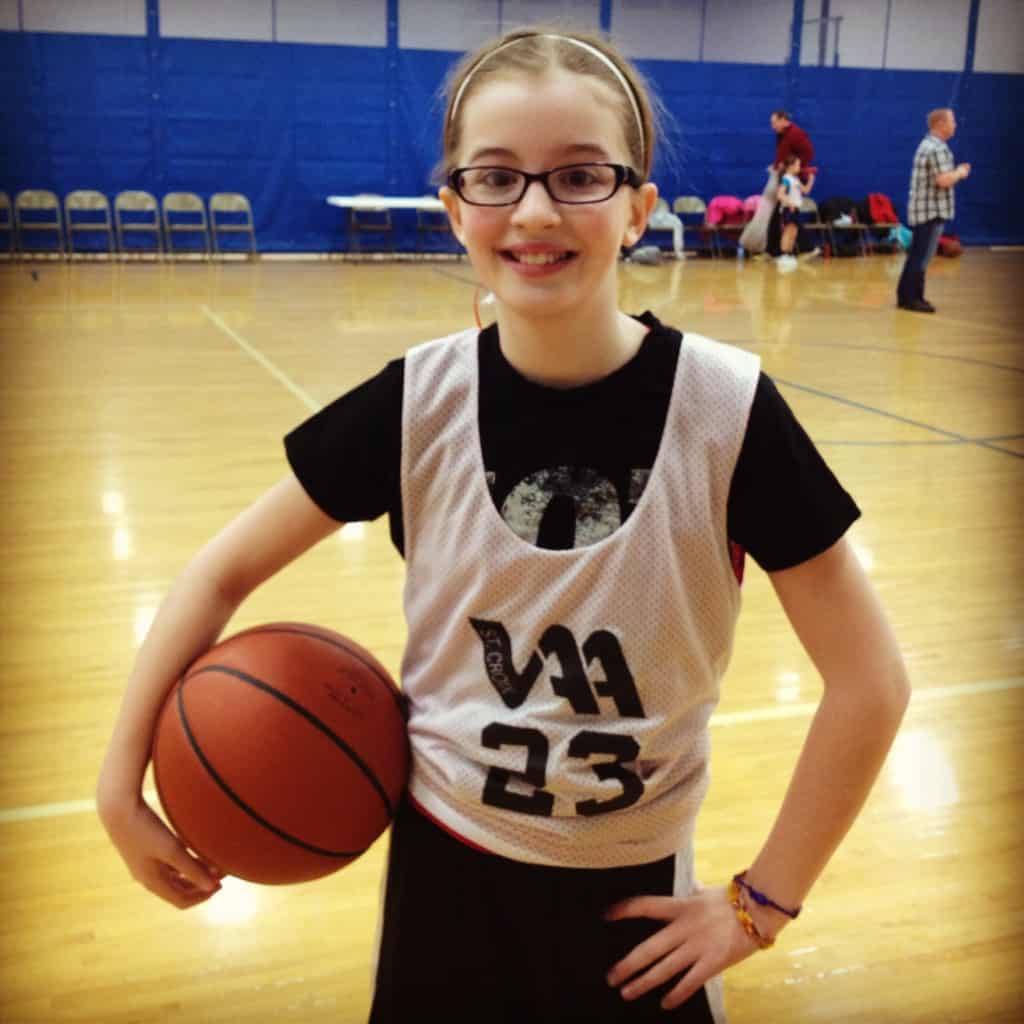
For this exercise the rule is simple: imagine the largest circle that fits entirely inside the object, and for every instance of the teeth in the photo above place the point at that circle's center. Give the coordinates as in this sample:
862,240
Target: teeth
537,259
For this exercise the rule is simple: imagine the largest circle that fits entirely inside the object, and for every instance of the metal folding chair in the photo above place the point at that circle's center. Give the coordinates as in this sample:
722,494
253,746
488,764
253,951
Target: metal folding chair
143,217
7,221
851,227
96,210
662,219
231,213
375,220
433,224
184,213
810,220
37,210
685,206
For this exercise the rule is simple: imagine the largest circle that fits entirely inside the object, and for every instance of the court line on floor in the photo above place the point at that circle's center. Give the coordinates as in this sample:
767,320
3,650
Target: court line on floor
456,277
987,441
959,438
890,350
940,319
892,444
824,344
807,708
727,719
307,400
975,325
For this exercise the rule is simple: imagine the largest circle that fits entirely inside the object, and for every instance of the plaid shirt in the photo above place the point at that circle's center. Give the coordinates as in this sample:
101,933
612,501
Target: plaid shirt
927,200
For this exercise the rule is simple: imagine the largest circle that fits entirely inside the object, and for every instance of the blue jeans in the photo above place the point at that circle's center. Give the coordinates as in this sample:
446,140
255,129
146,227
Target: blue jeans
923,246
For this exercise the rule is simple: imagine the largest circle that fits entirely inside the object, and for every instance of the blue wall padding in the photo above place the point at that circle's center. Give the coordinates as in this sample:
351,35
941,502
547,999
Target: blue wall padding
718,141
990,208
421,114
290,124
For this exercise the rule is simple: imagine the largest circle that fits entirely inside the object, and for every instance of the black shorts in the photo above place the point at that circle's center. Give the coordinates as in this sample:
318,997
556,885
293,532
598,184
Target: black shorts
473,938
789,216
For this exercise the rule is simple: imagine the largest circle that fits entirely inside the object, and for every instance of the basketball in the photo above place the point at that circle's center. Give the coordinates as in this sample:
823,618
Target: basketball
281,754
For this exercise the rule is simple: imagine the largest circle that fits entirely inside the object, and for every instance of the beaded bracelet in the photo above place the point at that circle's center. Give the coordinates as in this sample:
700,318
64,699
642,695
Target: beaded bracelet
761,900
743,916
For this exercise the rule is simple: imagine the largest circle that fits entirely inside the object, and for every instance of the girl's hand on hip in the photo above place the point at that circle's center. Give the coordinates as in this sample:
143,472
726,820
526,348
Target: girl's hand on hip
701,936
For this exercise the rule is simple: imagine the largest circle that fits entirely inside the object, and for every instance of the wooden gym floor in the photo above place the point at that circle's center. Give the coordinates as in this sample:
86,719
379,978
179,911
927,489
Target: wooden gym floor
144,404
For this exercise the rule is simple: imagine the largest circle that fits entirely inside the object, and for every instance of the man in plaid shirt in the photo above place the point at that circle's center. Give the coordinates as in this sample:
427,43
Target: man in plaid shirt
930,206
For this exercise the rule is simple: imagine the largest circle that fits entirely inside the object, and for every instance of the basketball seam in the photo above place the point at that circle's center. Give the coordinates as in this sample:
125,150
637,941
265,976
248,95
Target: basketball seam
313,720
231,794
383,679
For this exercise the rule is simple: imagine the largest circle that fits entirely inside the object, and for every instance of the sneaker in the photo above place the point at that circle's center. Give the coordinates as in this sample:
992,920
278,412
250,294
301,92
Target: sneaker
786,263
804,257
917,306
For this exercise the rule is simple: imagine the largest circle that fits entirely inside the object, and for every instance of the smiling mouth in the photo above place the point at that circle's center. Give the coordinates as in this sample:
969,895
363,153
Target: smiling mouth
538,259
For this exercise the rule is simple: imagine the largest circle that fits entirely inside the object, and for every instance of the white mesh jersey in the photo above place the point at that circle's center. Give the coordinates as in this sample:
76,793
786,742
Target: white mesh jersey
559,699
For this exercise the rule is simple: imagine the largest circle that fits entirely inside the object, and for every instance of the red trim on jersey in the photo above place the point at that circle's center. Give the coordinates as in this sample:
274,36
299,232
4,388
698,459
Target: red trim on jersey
738,557
419,808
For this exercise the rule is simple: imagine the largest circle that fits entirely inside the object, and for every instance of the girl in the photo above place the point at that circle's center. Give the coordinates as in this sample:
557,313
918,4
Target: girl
570,488
790,196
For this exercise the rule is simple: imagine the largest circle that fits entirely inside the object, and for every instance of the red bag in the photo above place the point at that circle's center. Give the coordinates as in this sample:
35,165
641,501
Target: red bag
881,209
949,245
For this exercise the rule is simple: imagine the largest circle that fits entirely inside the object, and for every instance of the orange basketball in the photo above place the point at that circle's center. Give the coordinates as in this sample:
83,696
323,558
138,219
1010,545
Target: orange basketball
281,754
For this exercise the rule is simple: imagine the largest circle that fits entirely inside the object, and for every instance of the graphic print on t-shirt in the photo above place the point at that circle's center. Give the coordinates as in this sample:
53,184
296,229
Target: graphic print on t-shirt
611,756
565,507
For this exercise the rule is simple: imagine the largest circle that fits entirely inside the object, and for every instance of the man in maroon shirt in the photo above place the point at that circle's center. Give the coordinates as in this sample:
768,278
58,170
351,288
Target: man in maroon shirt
791,139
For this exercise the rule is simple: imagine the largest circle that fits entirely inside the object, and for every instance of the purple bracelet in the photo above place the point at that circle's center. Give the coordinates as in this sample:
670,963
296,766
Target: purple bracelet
761,900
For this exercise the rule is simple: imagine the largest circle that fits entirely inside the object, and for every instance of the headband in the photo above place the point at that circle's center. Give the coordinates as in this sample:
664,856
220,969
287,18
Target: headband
604,58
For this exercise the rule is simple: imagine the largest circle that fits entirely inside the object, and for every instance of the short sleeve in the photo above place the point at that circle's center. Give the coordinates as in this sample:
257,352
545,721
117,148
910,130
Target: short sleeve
785,504
347,455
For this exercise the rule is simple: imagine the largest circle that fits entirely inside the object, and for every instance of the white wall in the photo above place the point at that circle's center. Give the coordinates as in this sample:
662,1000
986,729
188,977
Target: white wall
748,31
928,35
341,22
9,21
584,14
101,17
860,34
659,29
446,24
1000,42
337,22
460,25
250,20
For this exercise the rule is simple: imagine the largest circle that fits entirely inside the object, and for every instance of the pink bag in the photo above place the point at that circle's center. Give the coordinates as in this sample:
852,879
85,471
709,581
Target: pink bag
725,210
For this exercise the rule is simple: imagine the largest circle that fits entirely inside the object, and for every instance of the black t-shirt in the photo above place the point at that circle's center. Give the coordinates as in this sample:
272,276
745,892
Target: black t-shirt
563,445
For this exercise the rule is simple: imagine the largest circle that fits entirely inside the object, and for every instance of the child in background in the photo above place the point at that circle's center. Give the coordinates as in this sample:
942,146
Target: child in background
790,196
572,489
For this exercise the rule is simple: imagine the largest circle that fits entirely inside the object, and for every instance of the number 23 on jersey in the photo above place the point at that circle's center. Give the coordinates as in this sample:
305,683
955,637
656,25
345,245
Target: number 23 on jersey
612,756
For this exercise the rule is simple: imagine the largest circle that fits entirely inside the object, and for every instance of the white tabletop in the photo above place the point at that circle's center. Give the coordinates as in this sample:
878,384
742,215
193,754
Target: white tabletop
365,202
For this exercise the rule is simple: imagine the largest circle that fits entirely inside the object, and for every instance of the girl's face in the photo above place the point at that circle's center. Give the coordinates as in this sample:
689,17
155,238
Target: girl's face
542,258
794,167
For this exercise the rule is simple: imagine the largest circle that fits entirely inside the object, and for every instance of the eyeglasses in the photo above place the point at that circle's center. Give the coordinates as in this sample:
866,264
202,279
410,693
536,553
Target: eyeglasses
575,184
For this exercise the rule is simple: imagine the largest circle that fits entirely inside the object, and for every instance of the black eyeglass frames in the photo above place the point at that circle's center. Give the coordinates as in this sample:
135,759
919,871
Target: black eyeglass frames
575,184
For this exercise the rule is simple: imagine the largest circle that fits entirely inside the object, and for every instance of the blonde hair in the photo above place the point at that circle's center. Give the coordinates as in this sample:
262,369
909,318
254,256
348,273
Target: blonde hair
535,51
